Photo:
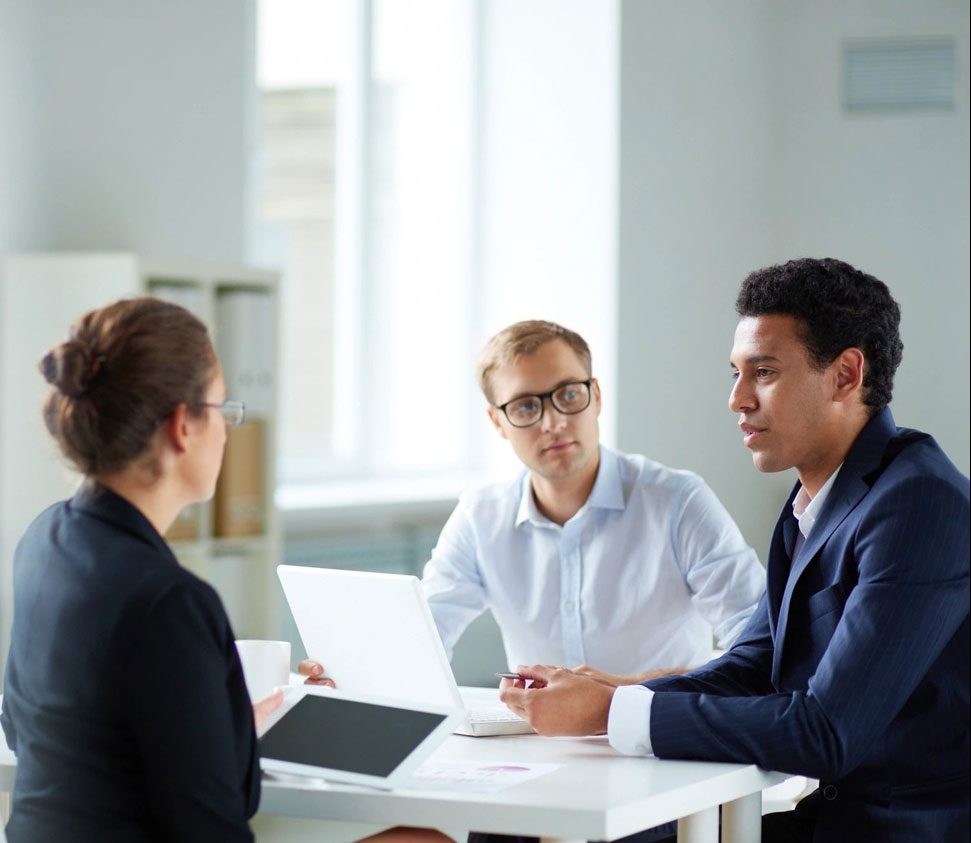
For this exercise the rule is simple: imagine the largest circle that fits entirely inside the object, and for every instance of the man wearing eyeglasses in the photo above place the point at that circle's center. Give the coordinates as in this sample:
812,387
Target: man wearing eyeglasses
589,557
592,559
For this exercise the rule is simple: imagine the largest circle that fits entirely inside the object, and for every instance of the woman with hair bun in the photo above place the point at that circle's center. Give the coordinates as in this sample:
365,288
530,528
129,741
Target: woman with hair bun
124,699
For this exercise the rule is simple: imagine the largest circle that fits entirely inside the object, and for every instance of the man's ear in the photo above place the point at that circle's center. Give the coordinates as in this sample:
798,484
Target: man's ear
850,366
496,421
595,388
176,429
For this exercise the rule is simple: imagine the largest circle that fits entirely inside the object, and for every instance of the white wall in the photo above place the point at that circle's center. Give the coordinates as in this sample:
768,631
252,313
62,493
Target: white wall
735,153
696,138
15,167
127,126
887,192
548,176
123,126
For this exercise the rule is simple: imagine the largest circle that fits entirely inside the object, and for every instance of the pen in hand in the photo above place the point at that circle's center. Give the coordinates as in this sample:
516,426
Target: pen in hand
509,676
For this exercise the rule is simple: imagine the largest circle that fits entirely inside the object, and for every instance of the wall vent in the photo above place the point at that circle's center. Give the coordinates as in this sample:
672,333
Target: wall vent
892,74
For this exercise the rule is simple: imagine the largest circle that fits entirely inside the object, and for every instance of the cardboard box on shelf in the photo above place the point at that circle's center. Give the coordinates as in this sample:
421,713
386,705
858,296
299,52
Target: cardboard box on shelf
238,506
186,525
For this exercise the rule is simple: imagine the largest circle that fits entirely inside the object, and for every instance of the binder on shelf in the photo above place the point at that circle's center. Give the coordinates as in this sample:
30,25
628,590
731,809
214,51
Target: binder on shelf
239,502
186,525
244,340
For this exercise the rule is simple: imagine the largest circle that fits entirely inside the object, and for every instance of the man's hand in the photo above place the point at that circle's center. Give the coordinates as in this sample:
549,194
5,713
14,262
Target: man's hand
613,680
616,680
264,708
314,671
558,701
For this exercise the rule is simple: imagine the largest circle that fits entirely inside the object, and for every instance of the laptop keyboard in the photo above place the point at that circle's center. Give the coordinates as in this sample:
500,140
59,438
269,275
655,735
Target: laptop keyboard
492,715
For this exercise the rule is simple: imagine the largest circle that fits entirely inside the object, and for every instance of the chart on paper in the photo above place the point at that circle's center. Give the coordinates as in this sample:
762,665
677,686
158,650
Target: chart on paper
476,777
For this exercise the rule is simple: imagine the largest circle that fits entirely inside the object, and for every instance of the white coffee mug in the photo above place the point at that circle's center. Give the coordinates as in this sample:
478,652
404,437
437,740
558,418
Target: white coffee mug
266,666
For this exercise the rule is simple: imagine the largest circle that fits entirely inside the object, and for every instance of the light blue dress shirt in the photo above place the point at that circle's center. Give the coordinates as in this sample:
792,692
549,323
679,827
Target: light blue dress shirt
639,579
629,719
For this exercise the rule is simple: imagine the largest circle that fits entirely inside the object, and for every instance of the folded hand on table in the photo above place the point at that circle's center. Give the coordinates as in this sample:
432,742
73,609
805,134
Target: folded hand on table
616,680
558,701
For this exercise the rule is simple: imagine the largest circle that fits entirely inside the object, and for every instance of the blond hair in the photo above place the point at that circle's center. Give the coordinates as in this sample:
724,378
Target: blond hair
521,338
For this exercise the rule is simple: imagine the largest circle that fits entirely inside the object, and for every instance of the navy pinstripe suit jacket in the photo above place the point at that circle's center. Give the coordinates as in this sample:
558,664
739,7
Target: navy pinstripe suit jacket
854,668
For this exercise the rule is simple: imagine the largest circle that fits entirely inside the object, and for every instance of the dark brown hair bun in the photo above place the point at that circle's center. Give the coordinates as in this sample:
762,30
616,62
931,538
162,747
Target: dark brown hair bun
124,371
72,368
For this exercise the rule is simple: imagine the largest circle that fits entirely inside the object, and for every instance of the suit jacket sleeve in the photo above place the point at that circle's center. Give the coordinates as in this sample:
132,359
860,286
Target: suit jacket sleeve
911,551
192,718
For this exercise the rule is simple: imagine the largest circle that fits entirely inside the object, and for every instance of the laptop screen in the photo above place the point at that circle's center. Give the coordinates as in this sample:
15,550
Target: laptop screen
348,735
373,632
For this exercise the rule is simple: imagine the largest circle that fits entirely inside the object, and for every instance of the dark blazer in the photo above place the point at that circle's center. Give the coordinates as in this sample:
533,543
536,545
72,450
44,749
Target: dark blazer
854,668
124,699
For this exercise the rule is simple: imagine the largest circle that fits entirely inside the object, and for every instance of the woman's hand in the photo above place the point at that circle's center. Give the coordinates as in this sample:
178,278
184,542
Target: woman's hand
264,708
314,671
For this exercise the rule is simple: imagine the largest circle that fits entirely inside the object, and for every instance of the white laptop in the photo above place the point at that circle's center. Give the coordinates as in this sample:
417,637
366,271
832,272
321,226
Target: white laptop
351,738
374,634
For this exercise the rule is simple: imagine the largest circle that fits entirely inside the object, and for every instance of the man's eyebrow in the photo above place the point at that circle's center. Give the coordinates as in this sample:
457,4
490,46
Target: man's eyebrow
759,358
562,383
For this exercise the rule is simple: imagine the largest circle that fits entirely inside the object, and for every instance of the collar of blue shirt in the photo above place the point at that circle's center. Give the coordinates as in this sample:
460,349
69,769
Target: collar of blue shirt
607,493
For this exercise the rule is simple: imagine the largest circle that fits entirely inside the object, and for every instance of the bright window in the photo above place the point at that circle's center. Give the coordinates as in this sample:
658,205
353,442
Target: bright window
364,194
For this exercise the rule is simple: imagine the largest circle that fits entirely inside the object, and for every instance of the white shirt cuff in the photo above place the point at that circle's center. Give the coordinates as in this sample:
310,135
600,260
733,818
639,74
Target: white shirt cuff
629,720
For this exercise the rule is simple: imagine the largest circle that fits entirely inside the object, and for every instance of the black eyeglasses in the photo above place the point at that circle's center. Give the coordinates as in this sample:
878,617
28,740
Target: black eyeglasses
233,412
568,398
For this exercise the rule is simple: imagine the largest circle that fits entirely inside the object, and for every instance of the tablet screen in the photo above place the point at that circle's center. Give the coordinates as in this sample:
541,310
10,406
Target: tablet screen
348,735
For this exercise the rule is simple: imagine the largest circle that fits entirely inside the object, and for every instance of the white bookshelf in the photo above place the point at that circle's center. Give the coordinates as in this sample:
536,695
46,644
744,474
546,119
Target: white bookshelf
41,295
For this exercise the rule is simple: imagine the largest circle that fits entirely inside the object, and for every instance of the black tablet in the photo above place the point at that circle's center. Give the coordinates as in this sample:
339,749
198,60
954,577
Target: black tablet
351,738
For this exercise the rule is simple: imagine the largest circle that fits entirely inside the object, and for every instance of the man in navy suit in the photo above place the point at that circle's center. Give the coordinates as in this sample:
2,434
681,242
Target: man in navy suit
854,669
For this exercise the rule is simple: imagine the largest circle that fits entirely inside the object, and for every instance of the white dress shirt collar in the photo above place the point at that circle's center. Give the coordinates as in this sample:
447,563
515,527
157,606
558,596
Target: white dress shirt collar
807,509
607,493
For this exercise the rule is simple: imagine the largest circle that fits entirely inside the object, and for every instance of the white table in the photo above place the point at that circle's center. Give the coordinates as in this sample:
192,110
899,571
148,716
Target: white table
596,794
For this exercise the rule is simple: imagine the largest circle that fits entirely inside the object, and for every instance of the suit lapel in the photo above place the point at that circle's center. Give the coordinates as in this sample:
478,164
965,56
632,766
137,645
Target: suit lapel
790,529
849,489
780,556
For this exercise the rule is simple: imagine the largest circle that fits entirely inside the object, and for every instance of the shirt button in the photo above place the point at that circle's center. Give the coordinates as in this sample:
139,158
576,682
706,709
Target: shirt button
569,605
830,792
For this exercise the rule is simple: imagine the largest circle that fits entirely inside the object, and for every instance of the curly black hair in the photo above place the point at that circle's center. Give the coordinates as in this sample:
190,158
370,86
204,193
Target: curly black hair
838,307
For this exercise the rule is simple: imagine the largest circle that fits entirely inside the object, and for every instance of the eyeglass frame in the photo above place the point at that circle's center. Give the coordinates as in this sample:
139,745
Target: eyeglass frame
588,383
238,408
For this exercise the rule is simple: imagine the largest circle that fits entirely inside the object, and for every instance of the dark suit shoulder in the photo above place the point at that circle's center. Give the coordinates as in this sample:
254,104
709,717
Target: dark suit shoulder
917,499
156,581
117,549
110,573
180,599
916,457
